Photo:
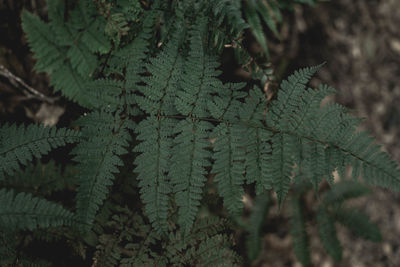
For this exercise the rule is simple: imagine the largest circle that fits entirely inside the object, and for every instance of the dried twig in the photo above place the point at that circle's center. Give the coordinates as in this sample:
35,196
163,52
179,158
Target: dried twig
28,90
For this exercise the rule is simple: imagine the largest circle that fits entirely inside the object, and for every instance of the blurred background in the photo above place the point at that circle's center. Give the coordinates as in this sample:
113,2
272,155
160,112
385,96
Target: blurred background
359,40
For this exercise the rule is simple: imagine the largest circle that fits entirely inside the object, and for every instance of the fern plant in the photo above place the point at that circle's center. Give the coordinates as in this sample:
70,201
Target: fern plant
150,82
126,240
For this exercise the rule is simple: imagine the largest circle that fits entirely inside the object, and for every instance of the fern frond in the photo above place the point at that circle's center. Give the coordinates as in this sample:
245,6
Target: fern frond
106,138
215,251
103,94
256,222
62,47
23,211
227,23
130,62
43,43
160,90
284,146
189,161
298,232
198,81
41,178
327,234
206,245
258,159
20,144
226,104
313,165
231,12
229,156
376,166
152,166
87,26
252,112
359,223
343,191
71,85
82,60
289,96
302,120
253,19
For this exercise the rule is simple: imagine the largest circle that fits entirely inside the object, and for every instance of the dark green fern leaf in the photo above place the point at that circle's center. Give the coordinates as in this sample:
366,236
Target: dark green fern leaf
187,172
253,19
42,43
289,96
41,178
23,211
255,224
152,167
258,159
20,144
226,104
298,232
359,224
106,138
256,140
229,156
198,80
313,163
343,191
161,88
103,94
66,49
327,234
284,146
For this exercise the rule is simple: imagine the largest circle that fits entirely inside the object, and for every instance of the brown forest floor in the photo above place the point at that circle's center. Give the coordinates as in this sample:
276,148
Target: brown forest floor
360,41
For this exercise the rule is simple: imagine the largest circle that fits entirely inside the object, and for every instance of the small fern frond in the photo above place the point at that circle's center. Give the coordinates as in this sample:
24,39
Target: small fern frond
327,234
303,118
313,162
72,85
226,104
152,165
253,109
207,244
62,47
231,12
23,211
189,161
103,94
229,156
284,147
258,159
41,178
106,138
343,191
256,222
215,251
359,223
20,144
289,96
42,43
158,95
298,232
227,22
253,19
198,81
